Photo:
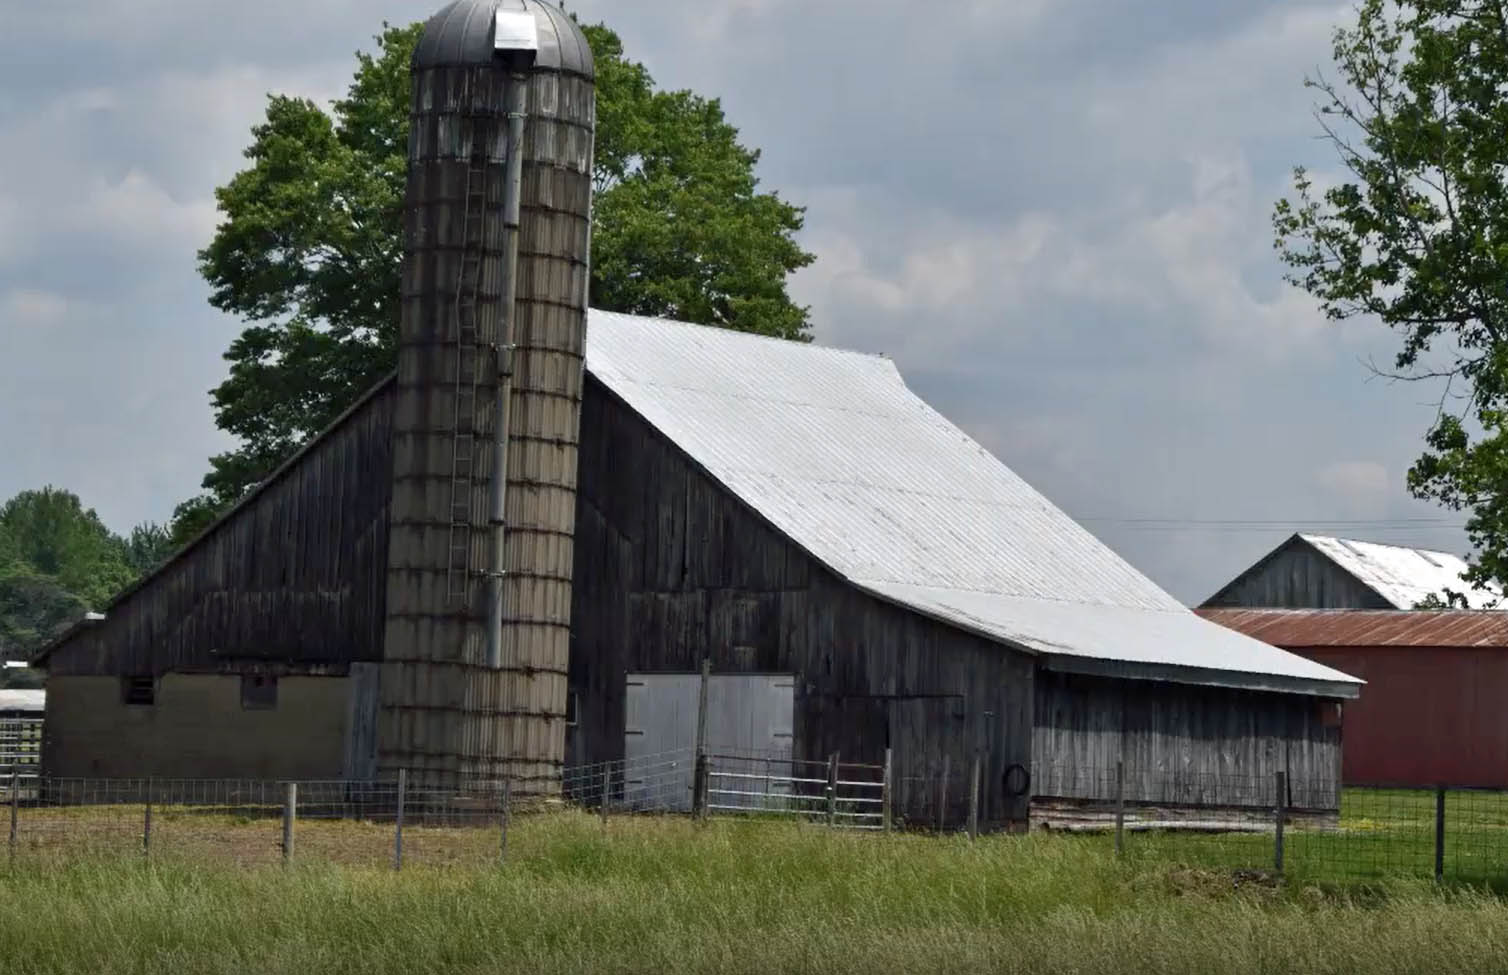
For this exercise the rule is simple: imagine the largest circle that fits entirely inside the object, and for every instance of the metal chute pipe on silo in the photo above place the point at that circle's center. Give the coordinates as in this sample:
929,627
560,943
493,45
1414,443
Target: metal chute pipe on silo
515,41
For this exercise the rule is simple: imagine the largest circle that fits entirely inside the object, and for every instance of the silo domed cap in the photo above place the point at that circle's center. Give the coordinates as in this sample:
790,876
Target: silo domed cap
463,34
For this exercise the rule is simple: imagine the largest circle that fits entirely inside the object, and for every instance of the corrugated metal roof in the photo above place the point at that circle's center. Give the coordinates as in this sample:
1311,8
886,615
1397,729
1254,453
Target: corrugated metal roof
22,700
1367,628
836,452
1402,576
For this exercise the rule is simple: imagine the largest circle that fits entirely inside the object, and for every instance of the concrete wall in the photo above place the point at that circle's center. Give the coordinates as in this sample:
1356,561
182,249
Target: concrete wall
196,729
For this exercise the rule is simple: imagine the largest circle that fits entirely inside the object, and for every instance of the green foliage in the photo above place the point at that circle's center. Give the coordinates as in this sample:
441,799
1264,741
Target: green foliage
57,538
58,560
192,517
147,547
1415,232
309,248
33,609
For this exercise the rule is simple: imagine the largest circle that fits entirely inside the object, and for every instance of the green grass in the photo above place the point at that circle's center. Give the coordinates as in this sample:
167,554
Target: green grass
667,895
1381,834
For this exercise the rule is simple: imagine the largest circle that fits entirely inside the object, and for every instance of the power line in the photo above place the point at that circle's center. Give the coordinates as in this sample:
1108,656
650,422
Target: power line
1276,521
1295,524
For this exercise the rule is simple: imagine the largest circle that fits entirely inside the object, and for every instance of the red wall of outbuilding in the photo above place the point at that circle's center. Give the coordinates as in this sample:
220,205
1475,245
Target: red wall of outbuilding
1425,716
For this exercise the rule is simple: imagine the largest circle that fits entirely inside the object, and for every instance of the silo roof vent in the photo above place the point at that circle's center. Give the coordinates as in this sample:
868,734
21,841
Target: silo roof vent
515,31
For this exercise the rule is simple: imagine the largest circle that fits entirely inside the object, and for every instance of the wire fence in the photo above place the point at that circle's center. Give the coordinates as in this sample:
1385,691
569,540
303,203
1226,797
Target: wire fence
1248,825
1251,825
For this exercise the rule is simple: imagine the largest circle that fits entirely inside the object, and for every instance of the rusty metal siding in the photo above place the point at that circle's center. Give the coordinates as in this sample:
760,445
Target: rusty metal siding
671,567
443,709
294,576
1181,745
1367,628
1297,576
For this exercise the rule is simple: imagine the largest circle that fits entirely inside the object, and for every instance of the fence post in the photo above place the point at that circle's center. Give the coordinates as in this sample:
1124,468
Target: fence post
974,798
15,806
507,811
1440,835
398,821
607,784
885,795
1280,813
699,771
942,793
832,789
146,824
1120,806
290,811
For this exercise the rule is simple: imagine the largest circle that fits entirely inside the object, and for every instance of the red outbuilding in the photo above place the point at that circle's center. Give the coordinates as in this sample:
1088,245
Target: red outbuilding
1434,709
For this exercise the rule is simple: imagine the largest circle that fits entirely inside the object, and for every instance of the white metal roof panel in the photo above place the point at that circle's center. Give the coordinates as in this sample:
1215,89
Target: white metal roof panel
16,699
1402,576
834,450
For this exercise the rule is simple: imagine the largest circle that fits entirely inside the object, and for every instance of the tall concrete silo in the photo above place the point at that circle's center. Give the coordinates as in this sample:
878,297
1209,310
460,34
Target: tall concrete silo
490,359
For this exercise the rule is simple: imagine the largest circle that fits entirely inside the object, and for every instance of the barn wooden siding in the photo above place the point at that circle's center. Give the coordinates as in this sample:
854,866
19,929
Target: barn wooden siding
671,567
292,579
1182,744
1297,576
445,711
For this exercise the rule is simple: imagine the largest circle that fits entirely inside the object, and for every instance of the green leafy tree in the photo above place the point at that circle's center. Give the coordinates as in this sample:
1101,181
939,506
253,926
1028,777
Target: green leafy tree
1414,232
56,537
147,547
308,251
57,560
33,609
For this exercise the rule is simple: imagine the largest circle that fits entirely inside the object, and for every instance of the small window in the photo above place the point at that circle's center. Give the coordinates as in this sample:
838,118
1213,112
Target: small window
138,691
259,692
573,709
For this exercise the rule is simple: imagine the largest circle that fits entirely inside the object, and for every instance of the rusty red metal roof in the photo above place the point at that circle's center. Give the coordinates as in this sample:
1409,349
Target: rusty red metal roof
1290,628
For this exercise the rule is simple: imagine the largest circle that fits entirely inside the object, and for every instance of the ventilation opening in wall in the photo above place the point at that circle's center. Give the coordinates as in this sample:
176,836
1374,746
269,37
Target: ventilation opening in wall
138,691
258,692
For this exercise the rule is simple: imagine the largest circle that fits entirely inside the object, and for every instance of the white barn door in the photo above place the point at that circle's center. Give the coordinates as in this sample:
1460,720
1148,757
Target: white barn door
749,715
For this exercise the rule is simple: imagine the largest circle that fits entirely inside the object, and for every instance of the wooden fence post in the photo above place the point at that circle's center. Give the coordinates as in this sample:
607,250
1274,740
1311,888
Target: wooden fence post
974,797
699,772
1120,806
607,785
15,806
1440,835
885,795
507,811
146,824
832,789
1280,813
942,793
290,812
398,820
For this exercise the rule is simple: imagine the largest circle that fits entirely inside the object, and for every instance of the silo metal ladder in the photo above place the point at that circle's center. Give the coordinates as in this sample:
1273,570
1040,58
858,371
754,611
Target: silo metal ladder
468,373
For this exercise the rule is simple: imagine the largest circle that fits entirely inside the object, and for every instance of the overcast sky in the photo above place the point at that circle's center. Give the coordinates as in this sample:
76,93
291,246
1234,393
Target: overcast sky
1053,216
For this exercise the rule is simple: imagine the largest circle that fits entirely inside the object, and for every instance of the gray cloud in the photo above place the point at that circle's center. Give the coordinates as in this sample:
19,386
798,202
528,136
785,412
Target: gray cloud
1053,216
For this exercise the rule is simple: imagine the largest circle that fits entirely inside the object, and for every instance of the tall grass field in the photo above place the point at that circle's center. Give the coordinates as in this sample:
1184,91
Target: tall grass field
669,895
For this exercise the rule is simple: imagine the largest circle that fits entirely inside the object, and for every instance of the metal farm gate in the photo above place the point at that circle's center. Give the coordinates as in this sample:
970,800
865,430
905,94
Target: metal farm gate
845,794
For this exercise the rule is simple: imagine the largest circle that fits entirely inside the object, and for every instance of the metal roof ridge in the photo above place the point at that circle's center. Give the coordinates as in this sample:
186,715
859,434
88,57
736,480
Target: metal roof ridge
726,331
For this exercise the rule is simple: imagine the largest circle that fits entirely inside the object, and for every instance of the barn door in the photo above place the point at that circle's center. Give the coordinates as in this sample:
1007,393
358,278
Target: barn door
748,715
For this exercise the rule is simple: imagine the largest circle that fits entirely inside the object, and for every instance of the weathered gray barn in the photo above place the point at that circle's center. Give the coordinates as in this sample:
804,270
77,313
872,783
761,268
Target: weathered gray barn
1321,572
778,507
